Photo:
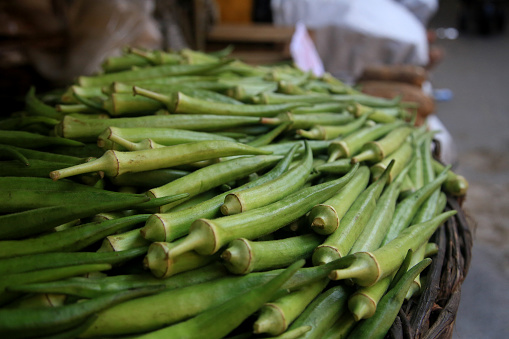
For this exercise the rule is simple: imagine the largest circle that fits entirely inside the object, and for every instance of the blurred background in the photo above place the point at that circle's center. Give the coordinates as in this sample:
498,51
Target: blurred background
456,50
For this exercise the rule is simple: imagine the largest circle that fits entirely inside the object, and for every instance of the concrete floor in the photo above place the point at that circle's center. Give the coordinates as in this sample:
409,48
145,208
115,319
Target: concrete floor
476,70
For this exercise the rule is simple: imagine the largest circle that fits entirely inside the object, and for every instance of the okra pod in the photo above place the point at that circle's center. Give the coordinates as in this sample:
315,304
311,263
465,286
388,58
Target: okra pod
48,274
340,166
376,151
323,311
339,243
269,192
243,256
367,268
303,121
39,261
328,132
408,207
15,322
27,223
455,183
352,144
130,240
379,222
69,240
184,104
114,163
275,317
162,265
91,288
90,129
212,176
325,218
401,157
164,136
31,140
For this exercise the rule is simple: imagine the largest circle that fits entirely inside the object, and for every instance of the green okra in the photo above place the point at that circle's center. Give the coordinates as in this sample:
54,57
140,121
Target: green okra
243,256
172,225
152,312
157,57
328,107
16,322
125,104
339,243
32,222
23,122
323,311
35,106
378,325
318,146
130,240
44,275
271,191
40,261
267,138
184,104
93,287
341,328
14,154
23,199
114,163
246,92
408,207
147,73
123,62
47,156
147,179
328,132
37,168
350,145
340,166
69,240
378,114
367,268
303,121
455,183
376,151
221,320
212,176
162,265
90,129
31,140
401,157
374,232
325,218
364,301
275,316
207,236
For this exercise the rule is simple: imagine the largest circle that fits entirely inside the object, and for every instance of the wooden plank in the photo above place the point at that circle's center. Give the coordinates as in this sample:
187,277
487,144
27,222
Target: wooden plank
251,33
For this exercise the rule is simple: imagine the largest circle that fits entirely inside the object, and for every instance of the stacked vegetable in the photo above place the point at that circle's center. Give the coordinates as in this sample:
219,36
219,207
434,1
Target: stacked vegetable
185,194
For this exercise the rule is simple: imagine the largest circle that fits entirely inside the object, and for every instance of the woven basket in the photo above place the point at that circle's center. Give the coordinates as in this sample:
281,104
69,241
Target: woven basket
432,315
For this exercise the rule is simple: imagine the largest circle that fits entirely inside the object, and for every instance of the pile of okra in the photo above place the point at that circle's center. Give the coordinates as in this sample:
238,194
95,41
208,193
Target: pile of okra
183,194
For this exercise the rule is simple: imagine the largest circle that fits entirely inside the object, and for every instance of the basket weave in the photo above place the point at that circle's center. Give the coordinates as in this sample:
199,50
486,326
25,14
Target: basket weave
432,315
